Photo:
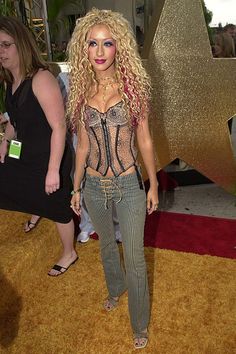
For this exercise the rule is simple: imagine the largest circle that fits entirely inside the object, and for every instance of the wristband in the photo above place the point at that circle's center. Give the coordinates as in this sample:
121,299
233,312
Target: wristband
76,191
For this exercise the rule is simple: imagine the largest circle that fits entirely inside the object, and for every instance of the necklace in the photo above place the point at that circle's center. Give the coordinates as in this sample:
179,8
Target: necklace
106,83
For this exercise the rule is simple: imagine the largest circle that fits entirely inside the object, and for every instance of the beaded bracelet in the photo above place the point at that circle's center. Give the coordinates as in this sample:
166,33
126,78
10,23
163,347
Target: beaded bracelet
76,191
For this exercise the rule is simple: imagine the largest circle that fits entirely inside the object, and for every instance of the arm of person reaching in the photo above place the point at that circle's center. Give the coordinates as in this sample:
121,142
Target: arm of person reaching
146,149
8,135
47,91
80,163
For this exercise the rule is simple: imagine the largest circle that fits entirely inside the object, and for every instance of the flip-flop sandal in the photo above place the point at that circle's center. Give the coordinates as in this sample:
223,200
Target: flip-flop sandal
29,226
110,303
61,269
140,340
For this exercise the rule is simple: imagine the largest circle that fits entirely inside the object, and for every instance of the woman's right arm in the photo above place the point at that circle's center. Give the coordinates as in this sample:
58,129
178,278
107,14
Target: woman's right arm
80,163
9,134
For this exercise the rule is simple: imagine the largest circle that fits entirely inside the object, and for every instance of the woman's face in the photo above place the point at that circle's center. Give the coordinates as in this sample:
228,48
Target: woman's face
101,50
9,57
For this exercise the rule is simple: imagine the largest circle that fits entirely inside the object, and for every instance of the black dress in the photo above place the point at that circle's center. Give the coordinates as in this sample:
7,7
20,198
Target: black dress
22,182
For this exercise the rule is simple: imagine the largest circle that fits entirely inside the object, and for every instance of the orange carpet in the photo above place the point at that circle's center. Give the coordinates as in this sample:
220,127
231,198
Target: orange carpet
192,297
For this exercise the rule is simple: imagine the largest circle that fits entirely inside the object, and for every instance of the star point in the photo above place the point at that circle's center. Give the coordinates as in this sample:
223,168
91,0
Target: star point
194,94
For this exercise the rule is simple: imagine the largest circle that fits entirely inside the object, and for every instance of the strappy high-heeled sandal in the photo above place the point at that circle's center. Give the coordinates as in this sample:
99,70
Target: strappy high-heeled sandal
110,303
140,340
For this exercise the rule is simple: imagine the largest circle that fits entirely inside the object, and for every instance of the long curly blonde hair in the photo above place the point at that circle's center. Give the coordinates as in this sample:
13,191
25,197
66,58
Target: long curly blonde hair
134,83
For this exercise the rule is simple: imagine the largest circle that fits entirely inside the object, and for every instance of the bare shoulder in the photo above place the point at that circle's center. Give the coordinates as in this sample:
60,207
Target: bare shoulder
44,79
47,91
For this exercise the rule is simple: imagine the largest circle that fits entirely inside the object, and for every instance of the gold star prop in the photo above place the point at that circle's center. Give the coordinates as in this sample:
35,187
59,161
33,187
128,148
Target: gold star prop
194,94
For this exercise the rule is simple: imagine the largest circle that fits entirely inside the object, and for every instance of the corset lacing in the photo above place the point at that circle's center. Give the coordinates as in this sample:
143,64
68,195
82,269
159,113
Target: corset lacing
107,186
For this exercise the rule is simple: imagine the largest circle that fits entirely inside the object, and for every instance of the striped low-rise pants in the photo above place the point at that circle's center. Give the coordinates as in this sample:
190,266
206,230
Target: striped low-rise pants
128,194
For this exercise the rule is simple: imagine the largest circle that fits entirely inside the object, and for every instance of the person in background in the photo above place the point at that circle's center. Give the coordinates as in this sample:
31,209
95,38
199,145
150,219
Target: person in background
224,47
224,42
33,221
109,105
86,227
35,174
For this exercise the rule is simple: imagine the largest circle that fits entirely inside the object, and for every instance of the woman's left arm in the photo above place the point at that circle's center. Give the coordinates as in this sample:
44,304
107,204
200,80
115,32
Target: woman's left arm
47,91
146,149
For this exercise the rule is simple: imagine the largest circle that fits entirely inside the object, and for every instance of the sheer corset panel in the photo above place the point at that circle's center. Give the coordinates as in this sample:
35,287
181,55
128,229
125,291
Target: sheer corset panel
111,140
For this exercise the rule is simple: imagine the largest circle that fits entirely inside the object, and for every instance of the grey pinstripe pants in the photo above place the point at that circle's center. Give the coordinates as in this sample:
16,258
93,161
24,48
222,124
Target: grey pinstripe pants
128,194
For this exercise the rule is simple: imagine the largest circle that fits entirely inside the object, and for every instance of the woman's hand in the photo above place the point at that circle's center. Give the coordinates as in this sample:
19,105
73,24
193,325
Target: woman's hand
3,150
75,203
52,181
152,200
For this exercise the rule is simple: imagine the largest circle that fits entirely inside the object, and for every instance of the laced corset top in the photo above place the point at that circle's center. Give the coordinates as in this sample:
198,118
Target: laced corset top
111,140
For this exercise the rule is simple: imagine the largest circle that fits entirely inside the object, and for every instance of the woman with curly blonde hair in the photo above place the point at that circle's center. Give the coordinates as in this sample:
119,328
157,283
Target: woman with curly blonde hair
108,103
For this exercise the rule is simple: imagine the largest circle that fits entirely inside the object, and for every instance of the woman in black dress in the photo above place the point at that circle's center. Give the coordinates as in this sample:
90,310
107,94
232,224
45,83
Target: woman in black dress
35,180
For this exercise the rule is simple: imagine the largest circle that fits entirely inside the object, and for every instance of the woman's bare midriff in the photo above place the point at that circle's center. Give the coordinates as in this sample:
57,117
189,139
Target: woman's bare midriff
93,172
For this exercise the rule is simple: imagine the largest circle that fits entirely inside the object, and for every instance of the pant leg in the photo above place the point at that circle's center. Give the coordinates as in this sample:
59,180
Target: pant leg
131,211
103,224
85,221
